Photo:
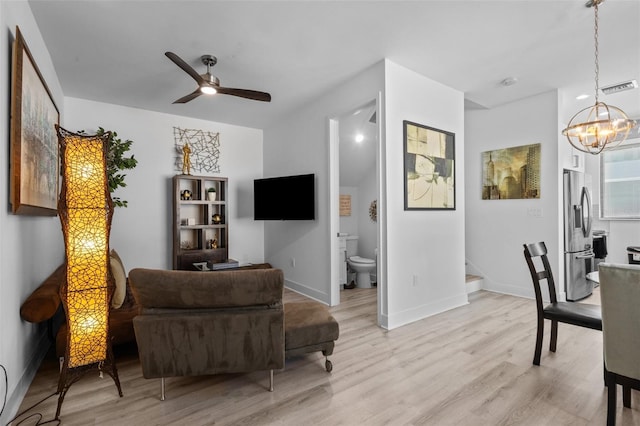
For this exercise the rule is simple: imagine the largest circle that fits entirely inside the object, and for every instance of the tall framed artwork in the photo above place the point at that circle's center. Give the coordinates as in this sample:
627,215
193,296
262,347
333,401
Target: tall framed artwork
429,168
34,143
511,173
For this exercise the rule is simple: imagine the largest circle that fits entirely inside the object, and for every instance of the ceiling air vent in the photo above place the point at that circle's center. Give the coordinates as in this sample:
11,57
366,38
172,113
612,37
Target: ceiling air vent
620,87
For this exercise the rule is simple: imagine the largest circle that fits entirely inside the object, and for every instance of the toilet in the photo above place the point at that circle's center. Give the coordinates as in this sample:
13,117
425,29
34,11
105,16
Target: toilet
362,266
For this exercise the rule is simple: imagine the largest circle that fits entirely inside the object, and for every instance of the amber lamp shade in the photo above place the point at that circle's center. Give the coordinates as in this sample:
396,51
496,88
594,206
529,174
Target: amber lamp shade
85,209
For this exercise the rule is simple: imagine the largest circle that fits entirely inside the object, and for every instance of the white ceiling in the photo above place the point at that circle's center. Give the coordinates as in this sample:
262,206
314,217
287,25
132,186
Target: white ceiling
113,51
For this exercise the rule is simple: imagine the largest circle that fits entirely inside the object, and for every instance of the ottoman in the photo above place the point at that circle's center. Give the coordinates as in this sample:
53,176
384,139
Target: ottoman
309,327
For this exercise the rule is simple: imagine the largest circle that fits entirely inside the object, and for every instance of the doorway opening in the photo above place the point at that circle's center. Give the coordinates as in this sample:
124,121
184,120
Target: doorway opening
354,193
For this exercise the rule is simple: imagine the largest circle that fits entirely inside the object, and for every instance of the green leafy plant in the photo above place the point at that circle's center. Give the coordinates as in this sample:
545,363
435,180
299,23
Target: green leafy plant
211,190
116,162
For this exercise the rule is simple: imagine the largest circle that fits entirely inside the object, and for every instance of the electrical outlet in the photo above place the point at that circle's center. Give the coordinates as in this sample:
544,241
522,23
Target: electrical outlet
415,280
535,211
293,262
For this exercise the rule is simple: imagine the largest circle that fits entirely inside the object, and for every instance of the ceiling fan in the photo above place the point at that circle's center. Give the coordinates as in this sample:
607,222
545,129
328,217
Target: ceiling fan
208,84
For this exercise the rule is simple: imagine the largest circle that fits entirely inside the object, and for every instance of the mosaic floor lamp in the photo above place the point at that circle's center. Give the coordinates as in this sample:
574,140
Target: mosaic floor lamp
85,210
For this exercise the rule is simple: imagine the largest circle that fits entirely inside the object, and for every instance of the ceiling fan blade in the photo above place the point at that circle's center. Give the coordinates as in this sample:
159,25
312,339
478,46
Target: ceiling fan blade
185,67
243,93
191,96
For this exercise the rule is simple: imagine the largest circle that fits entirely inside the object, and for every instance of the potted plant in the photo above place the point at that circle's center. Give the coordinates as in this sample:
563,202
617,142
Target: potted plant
116,161
211,194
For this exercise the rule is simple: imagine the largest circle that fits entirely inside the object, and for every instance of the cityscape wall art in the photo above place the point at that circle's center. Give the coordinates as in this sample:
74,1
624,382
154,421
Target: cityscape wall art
511,173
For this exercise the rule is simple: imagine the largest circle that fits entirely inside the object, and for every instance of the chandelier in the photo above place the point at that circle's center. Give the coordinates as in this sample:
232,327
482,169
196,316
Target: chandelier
600,126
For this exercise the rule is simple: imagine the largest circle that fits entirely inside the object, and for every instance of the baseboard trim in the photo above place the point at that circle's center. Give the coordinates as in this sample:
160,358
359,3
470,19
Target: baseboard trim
14,399
405,317
308,292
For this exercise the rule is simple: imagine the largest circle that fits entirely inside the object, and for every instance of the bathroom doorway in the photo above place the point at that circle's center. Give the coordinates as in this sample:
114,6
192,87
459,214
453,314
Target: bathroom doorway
354,191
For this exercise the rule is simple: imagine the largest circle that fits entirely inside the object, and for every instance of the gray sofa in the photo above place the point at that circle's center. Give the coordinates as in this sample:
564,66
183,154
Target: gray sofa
200,323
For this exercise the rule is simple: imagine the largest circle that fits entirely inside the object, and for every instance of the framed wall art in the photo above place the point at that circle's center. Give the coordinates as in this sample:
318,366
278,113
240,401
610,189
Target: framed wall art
34,143
429,168
511,173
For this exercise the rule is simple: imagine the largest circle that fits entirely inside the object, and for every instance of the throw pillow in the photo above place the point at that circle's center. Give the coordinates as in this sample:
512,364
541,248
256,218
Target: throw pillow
120,276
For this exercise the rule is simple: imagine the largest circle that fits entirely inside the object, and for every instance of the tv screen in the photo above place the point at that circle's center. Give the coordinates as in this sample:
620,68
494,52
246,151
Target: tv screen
284,198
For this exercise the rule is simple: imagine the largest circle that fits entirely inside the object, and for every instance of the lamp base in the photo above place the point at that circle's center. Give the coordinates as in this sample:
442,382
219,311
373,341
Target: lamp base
70,375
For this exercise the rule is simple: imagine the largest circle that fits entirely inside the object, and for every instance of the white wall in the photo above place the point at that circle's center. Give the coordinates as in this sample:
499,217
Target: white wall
427,245
497,229
299,143
142,232
30,247
367,229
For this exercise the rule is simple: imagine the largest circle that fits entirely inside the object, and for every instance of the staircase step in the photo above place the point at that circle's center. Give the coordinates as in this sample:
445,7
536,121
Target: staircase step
471,277
474,283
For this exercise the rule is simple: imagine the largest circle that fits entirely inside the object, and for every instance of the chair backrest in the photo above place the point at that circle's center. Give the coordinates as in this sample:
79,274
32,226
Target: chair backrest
532,251
620,294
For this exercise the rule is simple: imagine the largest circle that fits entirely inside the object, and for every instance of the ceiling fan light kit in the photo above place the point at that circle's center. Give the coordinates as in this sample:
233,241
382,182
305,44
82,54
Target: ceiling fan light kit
209,84
600,126
208,90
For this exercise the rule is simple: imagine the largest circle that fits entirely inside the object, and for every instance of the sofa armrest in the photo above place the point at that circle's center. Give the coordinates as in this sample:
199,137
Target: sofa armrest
44,302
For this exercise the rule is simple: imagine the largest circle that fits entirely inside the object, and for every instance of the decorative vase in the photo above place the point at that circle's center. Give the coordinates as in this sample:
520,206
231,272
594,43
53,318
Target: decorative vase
212,196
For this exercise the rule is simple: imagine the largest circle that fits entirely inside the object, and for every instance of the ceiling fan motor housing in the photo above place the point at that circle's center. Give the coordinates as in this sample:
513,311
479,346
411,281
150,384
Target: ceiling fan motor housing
209,60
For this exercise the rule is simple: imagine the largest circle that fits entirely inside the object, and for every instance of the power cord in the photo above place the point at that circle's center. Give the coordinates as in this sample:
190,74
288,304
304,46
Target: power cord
6,389
34,415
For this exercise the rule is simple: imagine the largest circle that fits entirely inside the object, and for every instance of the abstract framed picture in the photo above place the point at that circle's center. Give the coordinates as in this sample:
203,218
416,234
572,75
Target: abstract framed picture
429,168
34,143
511,173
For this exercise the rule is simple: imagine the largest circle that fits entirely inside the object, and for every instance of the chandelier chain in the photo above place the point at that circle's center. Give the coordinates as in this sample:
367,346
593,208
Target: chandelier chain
595,39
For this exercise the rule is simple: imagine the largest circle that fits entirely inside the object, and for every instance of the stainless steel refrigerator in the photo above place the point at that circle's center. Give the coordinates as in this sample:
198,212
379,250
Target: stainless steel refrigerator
578,250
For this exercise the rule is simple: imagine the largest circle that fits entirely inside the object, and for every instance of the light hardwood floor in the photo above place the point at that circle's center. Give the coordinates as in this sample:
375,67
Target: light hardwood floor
467,366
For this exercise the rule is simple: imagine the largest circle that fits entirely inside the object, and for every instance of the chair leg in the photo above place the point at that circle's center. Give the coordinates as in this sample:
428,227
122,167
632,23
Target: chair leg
554,336
626,396
270,380
611,399
538,350
162,389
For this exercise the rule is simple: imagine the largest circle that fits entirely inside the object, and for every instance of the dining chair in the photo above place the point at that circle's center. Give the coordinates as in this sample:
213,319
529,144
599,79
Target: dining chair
579,314
620,294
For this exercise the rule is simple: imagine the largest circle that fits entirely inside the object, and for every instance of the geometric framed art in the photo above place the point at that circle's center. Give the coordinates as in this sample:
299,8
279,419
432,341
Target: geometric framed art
429,168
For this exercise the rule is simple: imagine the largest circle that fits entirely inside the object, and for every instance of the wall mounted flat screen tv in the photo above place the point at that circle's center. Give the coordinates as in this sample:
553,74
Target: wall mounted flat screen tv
285,198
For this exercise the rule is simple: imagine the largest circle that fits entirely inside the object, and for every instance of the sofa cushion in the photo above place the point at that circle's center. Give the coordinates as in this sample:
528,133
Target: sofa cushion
120,277
307,324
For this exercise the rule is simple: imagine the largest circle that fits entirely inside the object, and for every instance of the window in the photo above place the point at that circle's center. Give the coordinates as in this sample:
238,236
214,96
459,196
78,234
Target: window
620,183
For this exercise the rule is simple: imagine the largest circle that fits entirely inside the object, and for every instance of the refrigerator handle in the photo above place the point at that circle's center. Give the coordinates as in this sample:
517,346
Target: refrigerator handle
577,217
586,255
585,204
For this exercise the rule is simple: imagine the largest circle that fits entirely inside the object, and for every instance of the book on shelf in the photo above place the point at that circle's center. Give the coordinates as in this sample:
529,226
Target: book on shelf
226,264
